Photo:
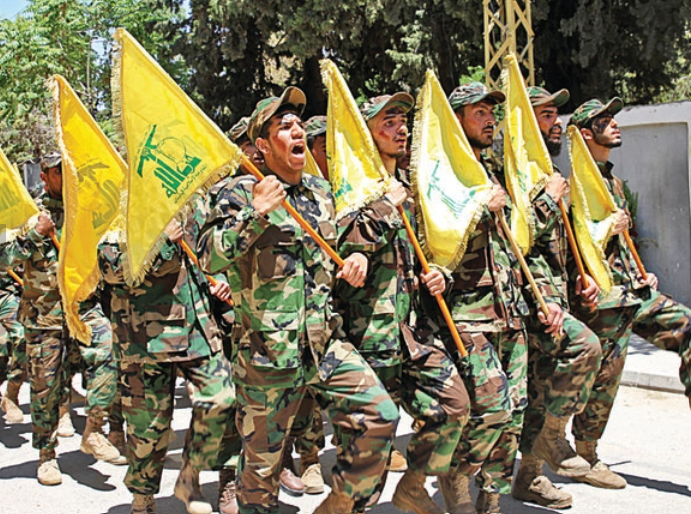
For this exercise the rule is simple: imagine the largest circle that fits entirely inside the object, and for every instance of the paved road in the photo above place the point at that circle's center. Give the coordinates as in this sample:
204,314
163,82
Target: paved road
648,441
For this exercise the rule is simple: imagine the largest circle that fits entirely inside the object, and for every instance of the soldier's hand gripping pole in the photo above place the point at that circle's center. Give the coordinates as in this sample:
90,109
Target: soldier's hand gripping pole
440,299
15,277
572,243
524,265
249,166
195,260
634,252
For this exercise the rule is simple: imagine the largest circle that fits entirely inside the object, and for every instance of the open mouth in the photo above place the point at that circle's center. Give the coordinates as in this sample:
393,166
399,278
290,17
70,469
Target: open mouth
298,149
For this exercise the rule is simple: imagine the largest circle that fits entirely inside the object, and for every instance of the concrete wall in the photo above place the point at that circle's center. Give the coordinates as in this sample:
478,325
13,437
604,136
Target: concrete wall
655,161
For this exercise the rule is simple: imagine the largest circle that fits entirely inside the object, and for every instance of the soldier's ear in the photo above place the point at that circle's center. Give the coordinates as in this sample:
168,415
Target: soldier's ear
262,145
587,134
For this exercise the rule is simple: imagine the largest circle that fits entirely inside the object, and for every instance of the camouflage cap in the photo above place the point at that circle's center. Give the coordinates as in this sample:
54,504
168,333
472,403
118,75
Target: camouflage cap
266,108
239,129
375,105
472,93
540,96
51,160
592,109
315,126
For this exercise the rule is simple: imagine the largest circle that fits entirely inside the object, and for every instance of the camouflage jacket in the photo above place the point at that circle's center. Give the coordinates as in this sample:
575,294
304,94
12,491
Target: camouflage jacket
166,318
40,307
547,258
281,281
8,287
377,317
486,295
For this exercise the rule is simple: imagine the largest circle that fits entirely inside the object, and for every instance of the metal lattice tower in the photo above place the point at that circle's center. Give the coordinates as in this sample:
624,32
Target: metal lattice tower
508,29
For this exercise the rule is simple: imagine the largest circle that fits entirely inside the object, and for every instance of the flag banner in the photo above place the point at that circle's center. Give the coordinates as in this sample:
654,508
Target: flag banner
92,177
592,209
16,205
527,164
451,187
311,166
173,150
356,171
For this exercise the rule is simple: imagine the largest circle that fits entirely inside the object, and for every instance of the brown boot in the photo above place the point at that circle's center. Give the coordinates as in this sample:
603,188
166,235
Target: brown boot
411,495
533,487
311,473
143,504
552,447
65,426
336,503
455,488
290,483
227,501
187,490
117,439
95,443
48,472
397,462
10,404
487,503
599,475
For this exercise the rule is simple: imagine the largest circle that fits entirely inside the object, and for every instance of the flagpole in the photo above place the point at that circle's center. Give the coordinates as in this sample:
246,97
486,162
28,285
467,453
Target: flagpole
249,165
15,277
54,238
634,252
524,265
572,241
440,299
195,260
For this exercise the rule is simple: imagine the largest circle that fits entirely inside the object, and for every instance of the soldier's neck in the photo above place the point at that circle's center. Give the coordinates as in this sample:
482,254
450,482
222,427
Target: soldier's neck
389,163
600,153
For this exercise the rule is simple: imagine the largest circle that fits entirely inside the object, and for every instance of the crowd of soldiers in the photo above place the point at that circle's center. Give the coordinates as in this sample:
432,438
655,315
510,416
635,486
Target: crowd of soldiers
306,338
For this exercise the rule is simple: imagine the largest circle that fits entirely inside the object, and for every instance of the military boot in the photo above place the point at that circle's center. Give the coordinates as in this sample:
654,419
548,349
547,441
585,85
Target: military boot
48,470
552,447
311,473
65,426
487,503
227,500
336,503
10,404
95,443
117,439
455,488
411,495
187,490
290,482
533,487
397,462
143,504
599,475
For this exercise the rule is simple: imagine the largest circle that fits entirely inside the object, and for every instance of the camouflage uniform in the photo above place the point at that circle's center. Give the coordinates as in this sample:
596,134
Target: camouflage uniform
486,303
13,359
291,342
561,370
40,311
161,326
380,319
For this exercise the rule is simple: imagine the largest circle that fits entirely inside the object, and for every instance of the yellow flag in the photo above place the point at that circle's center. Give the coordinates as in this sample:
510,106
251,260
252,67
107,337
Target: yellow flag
16,205
451,185
173,150
527,164
356,171
311,166
92,176
592,208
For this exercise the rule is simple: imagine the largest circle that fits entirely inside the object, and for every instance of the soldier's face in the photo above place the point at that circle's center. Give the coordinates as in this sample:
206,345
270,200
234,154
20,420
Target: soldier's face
285,146
477,121
390,132
551,127
52,180
319,153
251,151
605,130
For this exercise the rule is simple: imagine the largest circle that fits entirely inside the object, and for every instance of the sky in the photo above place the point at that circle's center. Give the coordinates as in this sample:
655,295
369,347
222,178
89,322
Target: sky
9,8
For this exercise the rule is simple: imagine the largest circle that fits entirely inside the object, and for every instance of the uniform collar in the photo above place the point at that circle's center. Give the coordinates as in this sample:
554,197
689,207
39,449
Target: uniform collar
605,168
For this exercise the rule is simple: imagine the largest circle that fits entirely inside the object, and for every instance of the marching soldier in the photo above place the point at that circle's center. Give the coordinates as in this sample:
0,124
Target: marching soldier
13,360
291,340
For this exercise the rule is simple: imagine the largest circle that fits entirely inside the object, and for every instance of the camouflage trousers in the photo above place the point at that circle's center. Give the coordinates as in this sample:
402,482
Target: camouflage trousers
307,432
561,372
613,328
147,405
13,358
51,352
667,324
363,416
495,376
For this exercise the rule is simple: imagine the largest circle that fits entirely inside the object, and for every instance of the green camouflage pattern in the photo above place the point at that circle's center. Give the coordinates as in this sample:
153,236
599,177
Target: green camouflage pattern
591,109
307,432
363,416
13,358
472,93
374,106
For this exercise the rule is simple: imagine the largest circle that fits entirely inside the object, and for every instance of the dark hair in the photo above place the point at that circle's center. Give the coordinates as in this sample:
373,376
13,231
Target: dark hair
310,141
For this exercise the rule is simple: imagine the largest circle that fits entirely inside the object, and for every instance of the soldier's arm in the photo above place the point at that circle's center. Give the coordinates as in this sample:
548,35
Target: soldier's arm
110,263
369,229
23,248
232,227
